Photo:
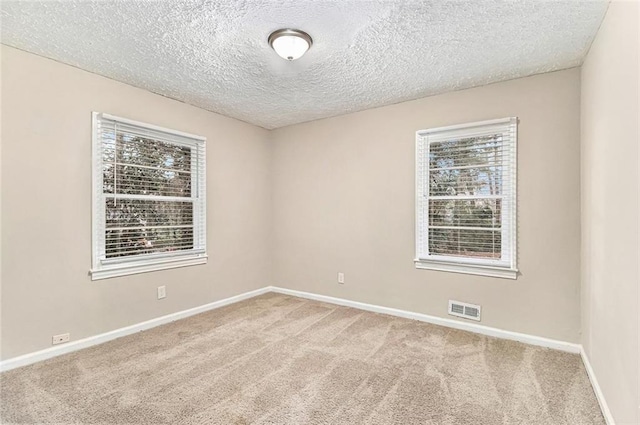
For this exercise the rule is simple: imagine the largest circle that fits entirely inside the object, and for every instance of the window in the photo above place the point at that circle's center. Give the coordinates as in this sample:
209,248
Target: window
149,207
466,198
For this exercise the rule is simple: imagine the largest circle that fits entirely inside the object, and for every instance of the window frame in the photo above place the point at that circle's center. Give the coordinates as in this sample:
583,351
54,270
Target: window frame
103,268
476,266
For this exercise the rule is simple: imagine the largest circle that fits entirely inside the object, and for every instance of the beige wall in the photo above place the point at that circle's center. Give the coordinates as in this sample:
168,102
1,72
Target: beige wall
610,209
46,216
344,201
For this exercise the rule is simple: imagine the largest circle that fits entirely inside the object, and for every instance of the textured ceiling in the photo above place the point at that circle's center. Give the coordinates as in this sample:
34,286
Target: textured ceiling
214,54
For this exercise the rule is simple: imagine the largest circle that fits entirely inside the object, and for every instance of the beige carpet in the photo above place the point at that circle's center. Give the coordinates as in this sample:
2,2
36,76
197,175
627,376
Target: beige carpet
277,359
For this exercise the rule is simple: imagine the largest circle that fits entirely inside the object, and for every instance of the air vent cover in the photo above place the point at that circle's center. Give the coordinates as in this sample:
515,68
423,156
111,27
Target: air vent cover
465,310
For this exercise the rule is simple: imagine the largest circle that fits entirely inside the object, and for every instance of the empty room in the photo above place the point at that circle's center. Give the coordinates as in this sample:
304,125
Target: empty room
319,212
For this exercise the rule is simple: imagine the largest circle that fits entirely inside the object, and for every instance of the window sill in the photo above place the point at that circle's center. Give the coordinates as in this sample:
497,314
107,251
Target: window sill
124,269
474,269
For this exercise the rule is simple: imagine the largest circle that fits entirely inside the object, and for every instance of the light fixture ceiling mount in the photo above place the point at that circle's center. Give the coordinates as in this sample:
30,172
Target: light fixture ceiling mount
290,44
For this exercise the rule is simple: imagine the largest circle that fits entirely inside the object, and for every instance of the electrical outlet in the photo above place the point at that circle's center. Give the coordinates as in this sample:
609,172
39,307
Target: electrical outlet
340,277
162,292
60,339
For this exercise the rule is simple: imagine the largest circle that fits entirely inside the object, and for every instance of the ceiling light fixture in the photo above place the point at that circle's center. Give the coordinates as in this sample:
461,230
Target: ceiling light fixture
290,44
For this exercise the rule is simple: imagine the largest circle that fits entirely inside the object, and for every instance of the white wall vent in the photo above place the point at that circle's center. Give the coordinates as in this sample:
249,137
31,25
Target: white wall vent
468,311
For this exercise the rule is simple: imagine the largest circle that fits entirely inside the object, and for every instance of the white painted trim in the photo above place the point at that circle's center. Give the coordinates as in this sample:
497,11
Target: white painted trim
48,353
478,270
450,323
604,407
69,347
125,269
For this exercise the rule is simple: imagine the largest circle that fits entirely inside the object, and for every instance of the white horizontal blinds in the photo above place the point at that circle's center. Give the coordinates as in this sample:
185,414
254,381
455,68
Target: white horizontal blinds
152,192
136,226
469,194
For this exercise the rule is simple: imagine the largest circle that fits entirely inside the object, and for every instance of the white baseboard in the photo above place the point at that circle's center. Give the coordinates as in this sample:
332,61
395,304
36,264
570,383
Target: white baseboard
604,407
48,353
108,336
471,327
450,323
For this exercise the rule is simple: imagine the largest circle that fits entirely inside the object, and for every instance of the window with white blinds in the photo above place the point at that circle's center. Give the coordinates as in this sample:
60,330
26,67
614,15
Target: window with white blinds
149,206
466,198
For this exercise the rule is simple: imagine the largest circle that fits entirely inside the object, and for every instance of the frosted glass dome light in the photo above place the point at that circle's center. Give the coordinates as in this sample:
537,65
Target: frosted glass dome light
290,44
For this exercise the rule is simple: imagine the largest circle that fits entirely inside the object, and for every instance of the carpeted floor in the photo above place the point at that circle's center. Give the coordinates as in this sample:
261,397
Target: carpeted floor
276,359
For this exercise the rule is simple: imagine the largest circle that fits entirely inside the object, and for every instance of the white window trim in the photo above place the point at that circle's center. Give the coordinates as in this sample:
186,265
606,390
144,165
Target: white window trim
491,268
102,268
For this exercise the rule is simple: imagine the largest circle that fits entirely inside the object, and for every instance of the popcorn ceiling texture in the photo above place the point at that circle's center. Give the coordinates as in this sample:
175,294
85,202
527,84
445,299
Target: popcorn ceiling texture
215,55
